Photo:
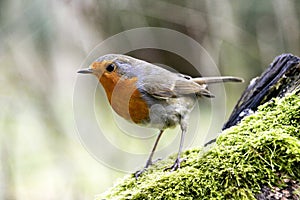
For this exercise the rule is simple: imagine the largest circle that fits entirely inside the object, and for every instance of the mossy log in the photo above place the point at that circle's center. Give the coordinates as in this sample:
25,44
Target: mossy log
248,161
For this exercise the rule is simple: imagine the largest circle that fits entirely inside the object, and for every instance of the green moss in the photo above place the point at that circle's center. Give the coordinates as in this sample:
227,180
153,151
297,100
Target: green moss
244,158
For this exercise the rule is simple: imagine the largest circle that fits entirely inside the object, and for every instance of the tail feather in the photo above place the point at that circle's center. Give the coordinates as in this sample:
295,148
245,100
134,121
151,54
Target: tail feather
206,93
220,79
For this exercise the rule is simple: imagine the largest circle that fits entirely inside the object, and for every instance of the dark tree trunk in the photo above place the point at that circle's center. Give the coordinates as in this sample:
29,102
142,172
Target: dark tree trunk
281,77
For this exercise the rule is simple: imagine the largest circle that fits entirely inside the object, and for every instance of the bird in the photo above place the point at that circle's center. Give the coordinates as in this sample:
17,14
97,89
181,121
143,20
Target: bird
148,95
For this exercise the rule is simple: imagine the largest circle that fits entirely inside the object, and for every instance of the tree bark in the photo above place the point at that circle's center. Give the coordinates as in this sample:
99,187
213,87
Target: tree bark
281,77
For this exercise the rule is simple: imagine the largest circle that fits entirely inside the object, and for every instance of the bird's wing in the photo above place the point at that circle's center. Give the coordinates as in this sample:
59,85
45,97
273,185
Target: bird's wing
172,86
183,87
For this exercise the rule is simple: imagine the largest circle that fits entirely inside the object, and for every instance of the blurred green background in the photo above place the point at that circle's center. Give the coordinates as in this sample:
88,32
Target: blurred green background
43,43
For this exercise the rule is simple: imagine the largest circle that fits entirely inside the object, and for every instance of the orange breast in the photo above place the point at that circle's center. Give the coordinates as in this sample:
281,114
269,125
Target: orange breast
124,97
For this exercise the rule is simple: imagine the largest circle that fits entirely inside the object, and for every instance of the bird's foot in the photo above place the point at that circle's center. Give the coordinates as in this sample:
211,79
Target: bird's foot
138,173
176,164
149,163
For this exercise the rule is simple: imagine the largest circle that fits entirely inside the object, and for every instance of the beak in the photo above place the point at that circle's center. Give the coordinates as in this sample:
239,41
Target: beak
85,71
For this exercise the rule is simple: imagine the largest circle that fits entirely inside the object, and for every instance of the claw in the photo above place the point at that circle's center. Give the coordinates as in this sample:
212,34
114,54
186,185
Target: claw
138,173
149,163
176,165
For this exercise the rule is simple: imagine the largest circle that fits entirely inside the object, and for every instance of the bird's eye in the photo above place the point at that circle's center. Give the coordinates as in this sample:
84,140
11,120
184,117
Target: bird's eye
110,67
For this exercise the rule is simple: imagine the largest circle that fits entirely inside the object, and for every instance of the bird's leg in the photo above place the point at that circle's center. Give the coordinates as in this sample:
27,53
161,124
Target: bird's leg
149,160
178,160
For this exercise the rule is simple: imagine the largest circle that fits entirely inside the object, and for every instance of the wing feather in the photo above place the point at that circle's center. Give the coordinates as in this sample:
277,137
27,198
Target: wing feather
172,86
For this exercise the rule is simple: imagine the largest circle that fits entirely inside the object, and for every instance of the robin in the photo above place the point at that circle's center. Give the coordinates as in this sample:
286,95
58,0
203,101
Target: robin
148,95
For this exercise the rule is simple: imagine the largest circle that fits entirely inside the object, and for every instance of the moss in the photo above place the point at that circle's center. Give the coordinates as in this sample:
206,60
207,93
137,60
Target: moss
244,158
